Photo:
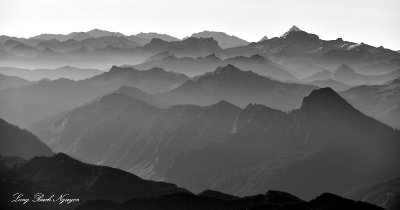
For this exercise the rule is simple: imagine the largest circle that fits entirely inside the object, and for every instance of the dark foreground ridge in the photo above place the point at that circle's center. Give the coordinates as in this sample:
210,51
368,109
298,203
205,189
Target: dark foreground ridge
99,187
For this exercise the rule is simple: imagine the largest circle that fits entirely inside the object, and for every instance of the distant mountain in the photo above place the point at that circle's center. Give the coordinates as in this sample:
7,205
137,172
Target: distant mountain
24,50
294,28
385,194
61,174
12,82
152,35
299,46
263,39
381,102
238,87
380,68
349,76
90,43
323,75
96,33
15,141
302,53
326,145
335,85
140,40
78,36
224,40
67,72
26,105
201,65
190,47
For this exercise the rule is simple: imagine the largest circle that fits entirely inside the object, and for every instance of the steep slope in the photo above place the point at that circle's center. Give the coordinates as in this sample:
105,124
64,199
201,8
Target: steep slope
224,40
326,145
15,141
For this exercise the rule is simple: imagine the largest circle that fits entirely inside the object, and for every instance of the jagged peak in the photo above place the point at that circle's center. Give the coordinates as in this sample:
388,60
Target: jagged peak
292,29
264,38
296,33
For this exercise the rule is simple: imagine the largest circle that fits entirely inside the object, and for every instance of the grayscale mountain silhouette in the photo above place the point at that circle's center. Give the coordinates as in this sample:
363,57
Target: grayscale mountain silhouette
180,105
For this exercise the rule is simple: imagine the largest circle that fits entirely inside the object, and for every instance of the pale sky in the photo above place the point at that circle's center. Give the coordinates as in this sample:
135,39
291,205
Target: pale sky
375,22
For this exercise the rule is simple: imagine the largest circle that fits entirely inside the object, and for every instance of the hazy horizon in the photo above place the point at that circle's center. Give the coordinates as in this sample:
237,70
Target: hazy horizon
350,20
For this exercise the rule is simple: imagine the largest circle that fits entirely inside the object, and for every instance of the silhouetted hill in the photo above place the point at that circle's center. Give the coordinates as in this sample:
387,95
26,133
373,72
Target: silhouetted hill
61,174
15,141
271,200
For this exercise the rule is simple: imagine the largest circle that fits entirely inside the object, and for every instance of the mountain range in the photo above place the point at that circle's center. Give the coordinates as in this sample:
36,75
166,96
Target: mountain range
115,119
66,72
302,53
348,76
379,101
230,149
45,98
224,40
100,187
201,65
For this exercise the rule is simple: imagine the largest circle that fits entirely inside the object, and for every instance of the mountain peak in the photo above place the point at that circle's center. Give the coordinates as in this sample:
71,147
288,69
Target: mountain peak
227,68
344,69
294,28
224,104
324,98
263,38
